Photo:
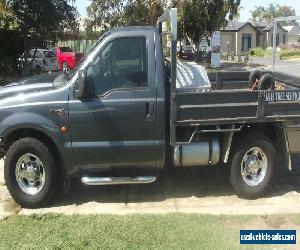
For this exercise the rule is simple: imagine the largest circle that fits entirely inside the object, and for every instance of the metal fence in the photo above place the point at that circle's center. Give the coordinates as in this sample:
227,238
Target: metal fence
77,45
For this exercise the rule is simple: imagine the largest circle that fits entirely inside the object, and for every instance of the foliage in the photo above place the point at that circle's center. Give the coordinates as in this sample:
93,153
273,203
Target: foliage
142,12
289,53
260,52
107,14
8,20
204,17
267,14
9,51
48,16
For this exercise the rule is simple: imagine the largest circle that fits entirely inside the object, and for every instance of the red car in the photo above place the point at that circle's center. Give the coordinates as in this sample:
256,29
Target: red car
67,58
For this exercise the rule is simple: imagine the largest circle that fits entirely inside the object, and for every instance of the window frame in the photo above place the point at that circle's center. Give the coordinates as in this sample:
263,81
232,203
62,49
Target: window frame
124,89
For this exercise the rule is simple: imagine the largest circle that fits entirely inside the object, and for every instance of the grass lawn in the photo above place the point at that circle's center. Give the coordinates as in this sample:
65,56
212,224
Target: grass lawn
172,231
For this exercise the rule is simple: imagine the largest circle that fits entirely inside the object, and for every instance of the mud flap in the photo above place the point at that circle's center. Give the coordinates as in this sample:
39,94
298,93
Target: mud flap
284,146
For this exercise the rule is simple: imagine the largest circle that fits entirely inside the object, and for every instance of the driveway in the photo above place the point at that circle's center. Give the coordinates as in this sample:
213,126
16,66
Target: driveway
198,190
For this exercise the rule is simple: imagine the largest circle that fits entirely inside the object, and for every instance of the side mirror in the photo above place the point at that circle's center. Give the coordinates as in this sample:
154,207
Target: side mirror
80,90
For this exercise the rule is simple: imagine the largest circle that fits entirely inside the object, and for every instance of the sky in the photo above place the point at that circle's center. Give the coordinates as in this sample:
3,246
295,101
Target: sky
245,13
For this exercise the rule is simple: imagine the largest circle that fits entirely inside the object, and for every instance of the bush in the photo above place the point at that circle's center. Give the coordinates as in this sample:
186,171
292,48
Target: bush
259,52
287,53
9,51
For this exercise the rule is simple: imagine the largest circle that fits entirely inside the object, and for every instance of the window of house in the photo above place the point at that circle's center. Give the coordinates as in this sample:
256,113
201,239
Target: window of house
122,63
277,39
246,42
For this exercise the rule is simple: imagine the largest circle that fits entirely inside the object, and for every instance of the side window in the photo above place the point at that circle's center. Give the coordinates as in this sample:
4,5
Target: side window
31,53
122,63
38,55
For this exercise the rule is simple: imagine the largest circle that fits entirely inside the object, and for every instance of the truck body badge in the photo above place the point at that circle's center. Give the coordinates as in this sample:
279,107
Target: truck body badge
58,111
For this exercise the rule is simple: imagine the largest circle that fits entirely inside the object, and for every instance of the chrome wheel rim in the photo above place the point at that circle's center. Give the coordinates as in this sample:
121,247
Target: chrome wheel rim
30,174
254,166
65,67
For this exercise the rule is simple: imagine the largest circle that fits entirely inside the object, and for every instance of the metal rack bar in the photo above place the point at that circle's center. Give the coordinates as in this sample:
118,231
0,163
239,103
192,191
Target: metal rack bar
170,16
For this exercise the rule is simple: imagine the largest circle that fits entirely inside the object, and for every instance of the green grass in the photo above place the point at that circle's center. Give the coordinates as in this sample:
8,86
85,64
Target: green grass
289,53
172,231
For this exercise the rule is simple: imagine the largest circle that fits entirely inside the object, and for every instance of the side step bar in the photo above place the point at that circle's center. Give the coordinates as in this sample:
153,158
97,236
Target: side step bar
102,181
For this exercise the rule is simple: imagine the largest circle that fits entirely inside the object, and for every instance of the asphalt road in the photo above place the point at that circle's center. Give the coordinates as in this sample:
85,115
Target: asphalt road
283,68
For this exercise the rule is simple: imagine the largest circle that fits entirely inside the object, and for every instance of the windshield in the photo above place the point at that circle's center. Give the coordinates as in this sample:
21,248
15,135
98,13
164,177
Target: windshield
49,54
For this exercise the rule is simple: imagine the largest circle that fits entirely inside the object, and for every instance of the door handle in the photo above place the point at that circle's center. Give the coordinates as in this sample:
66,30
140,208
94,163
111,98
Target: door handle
149,110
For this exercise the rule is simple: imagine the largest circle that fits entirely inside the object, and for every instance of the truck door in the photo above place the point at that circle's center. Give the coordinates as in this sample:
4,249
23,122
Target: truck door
117,125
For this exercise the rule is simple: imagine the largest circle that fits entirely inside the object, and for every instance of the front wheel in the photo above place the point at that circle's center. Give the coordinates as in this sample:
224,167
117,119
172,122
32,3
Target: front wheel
30,173
65,67
253,166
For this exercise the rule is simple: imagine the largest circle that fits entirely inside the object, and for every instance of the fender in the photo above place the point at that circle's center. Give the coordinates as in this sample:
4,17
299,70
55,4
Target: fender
28,120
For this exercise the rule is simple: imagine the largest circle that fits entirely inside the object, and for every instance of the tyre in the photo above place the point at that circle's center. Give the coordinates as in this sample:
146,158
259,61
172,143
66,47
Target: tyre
254,76
65,67
252,166
266,82
37,70
30,173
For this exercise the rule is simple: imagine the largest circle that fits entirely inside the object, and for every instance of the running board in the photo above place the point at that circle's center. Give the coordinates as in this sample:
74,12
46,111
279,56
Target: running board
102,181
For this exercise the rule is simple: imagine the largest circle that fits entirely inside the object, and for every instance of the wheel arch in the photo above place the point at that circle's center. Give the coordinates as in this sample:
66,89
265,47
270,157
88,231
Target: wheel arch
275,131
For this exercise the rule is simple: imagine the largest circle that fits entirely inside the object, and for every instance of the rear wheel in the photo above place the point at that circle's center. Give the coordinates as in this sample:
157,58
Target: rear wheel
30,173
65,67
253,166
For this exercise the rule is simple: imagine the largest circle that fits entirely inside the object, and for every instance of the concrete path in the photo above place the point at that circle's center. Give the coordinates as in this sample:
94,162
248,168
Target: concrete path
199,190
7,205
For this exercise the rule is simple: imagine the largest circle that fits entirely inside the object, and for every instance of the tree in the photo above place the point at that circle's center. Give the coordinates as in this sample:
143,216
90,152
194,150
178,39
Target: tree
266,14
143,12
201,18
46,17
114,13
237,15
106,13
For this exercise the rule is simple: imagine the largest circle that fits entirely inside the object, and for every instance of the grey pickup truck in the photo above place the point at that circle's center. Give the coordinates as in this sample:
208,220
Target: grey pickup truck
118,118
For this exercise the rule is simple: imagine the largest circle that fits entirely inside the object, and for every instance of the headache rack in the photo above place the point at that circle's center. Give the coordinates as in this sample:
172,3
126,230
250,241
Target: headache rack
169,19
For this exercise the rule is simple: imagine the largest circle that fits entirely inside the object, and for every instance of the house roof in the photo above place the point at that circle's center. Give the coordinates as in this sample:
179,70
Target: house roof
235,26
288,28
292,28
259,25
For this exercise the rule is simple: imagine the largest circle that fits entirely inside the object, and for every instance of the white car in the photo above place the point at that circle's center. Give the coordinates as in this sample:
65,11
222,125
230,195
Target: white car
44,60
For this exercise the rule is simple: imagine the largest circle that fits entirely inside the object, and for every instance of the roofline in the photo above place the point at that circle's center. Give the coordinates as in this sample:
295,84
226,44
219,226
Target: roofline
239,28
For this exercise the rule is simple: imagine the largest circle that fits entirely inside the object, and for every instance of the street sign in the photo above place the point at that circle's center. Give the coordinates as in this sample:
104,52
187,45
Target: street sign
216,49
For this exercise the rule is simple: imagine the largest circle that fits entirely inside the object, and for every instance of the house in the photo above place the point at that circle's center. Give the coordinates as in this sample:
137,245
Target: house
265,34
293,34
242,36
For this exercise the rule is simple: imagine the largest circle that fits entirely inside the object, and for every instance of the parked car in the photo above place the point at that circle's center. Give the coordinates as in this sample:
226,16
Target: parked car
39,60
185,49
67,58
